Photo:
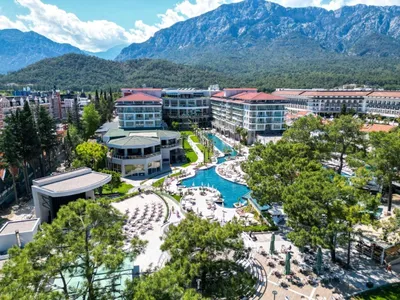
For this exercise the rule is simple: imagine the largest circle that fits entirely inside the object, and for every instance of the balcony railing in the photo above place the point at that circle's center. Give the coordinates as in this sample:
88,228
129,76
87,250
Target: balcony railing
170,145
135,156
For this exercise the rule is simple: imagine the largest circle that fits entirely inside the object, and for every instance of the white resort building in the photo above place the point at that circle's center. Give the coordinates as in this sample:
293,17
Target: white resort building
139,108
142,153
187,106
322,101
258,113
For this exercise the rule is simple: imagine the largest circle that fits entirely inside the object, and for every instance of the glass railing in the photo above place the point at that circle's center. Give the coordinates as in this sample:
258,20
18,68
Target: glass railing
135,156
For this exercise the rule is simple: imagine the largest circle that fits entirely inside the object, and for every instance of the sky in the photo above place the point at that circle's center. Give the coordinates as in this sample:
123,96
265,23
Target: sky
97,25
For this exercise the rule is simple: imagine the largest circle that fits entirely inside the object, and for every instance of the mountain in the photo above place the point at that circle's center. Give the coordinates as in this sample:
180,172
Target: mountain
111,53
258,33
77,72
19,49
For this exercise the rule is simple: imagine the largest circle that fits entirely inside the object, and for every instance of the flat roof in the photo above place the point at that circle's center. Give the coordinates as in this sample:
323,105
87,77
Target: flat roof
134,141
21,226
113,133
69,183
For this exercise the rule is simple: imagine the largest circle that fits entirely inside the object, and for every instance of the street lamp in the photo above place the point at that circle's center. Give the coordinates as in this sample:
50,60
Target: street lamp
198,280
274,293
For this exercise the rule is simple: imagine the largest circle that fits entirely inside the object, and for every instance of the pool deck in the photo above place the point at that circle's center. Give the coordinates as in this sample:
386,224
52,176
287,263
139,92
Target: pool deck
227,167
153,256
198,202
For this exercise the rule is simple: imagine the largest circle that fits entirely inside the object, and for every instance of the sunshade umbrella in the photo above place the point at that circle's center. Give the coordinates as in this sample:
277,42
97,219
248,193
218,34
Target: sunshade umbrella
318,264
272,244
287,263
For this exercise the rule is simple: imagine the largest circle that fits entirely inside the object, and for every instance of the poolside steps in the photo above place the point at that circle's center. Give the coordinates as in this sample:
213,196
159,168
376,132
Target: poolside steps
255,268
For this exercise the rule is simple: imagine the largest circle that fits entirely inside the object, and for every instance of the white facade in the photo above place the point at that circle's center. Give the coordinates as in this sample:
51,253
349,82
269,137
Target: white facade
384,103
17,233
142,153
258,113
140,109
49,193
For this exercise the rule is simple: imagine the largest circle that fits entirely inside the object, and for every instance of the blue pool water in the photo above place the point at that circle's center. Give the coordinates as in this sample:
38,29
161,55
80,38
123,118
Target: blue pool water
231,192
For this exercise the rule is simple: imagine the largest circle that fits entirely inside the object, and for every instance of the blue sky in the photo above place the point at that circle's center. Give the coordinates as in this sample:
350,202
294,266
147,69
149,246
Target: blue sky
97,25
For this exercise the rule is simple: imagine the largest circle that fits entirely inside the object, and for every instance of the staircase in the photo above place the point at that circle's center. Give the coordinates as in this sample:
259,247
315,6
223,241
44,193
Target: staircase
254,267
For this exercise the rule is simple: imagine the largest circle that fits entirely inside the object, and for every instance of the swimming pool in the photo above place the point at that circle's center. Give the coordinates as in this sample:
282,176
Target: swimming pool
231,192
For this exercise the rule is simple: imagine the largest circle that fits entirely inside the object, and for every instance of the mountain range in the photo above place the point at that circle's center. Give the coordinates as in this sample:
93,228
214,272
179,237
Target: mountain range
253,42
254,30
19,49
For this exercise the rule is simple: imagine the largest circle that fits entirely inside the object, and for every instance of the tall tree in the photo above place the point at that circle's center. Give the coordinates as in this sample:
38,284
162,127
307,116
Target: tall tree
345,137
9,144
29,144
90,120
90,154
85,239
76,115
97,101
199,249
384,158
47,132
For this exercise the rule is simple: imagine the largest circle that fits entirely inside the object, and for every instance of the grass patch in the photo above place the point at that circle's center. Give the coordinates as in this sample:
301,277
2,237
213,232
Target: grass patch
189,153
159,183
176,174
122,189
194,138
389,292
187,132
176,197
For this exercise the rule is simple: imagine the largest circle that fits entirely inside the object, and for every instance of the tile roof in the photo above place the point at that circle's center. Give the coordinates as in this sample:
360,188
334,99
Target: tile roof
256,96
288,92
235,89
219,95
134,141
336,93
139,97
390,94
377,127
141,89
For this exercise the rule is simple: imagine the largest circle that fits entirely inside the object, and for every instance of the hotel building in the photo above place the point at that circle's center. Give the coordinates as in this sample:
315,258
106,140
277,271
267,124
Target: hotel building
258,113
187,106
142,153
384,103
139,108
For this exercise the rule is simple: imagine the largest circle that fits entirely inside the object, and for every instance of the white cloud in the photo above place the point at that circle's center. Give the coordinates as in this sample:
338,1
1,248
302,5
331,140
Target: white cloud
97,35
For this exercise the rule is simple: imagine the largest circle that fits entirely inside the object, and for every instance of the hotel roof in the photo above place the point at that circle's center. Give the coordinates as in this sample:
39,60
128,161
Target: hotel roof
83,179
118,132
134,141
20,226
138,97
377,128
386,94
336,93
141,89
256,96
288,92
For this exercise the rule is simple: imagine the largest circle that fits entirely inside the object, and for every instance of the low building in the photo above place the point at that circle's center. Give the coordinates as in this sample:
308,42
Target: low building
257,113
17,233
187,107
139,108
50,193
322,101
142,153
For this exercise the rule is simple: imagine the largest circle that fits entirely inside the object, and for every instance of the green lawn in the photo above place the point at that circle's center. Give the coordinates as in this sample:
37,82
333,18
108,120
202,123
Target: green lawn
207,155
190,154
187,132
159,182
390,292
122,189
176,197
194,138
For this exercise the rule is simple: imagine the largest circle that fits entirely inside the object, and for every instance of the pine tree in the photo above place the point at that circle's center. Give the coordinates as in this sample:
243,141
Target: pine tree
47,133
97,101
29,144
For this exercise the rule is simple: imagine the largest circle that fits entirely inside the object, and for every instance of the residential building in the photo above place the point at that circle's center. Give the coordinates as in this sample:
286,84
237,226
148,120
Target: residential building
258,113
187,107
11,104
321,101
142,152
139,108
